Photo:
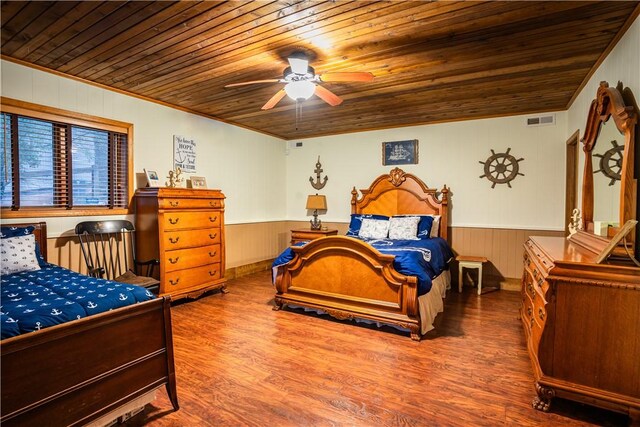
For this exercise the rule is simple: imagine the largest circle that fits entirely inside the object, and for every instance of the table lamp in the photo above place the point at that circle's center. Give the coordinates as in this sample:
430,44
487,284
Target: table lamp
316,202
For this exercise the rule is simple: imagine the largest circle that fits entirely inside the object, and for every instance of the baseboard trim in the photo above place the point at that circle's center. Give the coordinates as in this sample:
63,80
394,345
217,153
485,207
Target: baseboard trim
244,270
510,284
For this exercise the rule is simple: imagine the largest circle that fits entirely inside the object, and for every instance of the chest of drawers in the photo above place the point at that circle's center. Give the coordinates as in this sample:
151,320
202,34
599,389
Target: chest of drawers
581,323
184,229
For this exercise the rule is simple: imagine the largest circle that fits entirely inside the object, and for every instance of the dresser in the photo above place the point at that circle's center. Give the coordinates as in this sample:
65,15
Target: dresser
306,234
184,229
582,326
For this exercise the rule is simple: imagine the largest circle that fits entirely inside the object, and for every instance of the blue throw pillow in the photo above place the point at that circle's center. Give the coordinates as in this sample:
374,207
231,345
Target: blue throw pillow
8,231
356,222
424,226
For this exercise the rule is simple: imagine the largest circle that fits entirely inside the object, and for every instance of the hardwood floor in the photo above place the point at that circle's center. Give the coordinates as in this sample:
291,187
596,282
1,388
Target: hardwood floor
240,363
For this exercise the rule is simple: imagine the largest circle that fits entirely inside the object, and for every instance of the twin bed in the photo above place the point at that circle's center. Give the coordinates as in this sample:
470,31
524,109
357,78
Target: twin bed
355,278
73,349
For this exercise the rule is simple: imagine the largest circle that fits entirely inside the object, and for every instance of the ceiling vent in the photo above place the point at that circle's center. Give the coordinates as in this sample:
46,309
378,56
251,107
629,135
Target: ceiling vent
549,119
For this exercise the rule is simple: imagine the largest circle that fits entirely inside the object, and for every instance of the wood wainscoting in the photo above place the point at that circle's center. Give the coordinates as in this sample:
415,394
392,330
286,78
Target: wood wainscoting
252,246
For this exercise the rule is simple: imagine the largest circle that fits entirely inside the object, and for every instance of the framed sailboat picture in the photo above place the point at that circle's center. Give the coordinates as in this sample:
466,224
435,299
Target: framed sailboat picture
400,152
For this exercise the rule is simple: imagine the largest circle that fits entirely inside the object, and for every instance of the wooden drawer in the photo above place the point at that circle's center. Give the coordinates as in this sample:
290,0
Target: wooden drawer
190,278
179,203
193,257
190,220
173,240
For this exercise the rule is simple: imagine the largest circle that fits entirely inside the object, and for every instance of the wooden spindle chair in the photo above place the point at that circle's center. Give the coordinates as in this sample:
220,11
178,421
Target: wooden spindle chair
108,248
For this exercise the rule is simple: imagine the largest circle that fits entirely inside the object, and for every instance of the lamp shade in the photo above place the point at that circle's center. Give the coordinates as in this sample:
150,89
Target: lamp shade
316,202
300,90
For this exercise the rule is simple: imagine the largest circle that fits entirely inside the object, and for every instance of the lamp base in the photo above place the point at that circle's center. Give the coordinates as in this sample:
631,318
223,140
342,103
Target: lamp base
316,224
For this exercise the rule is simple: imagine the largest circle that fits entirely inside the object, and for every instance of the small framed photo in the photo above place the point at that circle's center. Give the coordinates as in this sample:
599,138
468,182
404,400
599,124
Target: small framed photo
153,180
400,152
198,182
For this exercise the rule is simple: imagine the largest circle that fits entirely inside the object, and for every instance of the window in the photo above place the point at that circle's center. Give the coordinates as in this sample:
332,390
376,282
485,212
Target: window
56,163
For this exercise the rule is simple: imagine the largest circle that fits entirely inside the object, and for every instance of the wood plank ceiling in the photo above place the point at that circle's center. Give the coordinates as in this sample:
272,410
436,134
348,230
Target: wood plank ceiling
432,61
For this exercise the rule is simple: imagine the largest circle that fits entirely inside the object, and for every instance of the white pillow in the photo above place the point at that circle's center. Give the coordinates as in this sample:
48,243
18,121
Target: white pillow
435,228
18,254
404,228
374,228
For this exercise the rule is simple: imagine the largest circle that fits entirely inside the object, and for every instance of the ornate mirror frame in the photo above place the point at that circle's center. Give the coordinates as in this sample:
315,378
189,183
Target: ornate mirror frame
610,104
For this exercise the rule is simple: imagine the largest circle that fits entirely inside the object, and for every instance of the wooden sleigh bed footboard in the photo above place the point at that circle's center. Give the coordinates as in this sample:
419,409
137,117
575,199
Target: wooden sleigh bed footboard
79,371
349,279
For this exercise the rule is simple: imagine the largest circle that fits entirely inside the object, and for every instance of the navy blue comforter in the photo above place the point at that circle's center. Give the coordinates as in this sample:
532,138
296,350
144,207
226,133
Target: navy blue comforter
32,300
424,258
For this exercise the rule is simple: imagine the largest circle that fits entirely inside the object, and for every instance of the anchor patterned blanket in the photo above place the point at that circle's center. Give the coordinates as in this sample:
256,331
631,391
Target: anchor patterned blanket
423,258
33,300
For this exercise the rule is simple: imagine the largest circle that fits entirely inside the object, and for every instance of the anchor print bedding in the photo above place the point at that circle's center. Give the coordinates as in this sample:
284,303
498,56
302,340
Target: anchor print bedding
33,300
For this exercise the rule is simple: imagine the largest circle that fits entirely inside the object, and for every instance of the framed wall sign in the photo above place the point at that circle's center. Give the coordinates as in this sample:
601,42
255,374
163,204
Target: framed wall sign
184,154
400,152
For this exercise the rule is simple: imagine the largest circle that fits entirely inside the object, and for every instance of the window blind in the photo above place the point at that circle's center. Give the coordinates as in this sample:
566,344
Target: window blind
49,164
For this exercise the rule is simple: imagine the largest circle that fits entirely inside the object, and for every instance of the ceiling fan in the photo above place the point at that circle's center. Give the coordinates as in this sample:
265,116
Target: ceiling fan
301,81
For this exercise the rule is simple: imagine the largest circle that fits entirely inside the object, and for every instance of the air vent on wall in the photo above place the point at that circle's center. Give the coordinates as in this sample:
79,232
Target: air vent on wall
295,144
549,119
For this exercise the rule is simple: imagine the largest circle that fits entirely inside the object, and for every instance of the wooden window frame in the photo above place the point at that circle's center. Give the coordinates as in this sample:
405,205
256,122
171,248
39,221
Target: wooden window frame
13,106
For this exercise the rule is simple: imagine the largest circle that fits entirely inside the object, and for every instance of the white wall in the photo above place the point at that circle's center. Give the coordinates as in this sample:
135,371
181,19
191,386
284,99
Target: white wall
247,166
621,65
449,154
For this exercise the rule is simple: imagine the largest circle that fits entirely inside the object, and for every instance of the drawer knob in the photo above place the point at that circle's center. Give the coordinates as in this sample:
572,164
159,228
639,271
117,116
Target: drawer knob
213,204
214,219
174,204
540,282
531,323
212,254
174,241
541,314
173,261
213,236
529,311
530,287
174,283
174,221
213,273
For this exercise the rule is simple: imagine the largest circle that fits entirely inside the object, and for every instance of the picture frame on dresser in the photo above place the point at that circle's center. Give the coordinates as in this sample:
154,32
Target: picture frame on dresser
153,179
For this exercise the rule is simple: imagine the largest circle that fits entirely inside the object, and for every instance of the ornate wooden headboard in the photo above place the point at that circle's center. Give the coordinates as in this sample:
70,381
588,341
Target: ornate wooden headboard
40,233
400,193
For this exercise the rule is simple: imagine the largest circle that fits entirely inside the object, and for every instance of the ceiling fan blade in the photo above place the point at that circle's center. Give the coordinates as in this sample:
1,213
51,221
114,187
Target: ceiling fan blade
328,96
253,82
274,100
347,77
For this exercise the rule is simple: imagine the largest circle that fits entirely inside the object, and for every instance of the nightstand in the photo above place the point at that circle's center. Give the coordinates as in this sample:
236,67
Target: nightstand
305,235
471,262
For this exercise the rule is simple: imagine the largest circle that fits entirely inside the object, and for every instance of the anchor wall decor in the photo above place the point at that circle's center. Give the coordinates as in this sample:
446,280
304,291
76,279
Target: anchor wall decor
318,185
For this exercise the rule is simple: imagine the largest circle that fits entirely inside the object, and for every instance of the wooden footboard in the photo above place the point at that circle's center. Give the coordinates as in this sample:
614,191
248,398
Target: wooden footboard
348,279
73,373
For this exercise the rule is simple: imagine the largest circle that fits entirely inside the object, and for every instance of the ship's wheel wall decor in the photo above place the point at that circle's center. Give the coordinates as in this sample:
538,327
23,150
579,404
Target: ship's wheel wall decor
501,168
611,162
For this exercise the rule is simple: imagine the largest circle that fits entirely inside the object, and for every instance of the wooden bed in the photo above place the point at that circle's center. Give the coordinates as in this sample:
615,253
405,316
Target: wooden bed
76,372
348,278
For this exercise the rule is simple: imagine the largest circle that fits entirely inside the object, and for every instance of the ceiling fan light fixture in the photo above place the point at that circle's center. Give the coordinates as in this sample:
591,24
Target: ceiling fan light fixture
300,90
298,62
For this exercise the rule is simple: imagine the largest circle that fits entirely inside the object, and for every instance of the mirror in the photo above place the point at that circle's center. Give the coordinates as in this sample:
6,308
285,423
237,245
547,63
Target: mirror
607,158
604,197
